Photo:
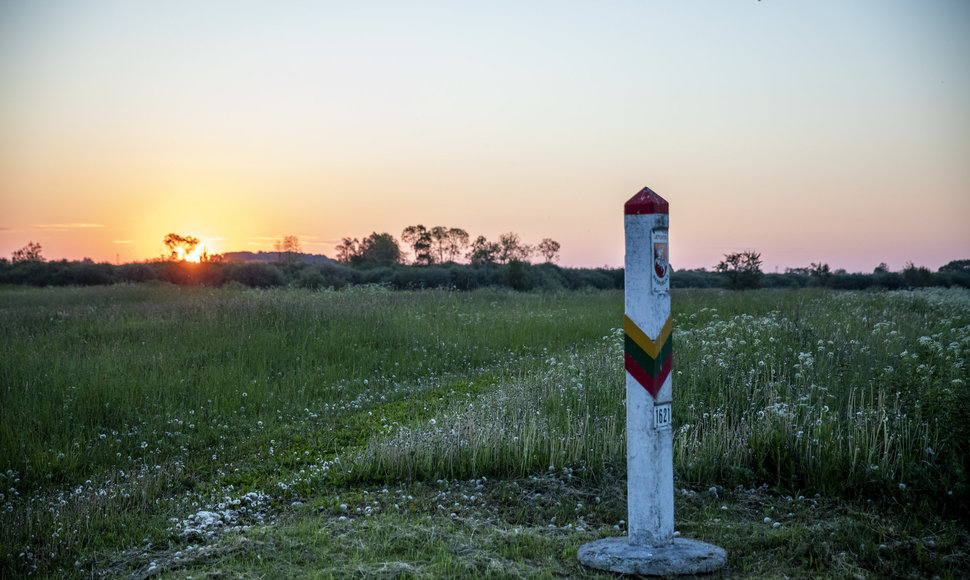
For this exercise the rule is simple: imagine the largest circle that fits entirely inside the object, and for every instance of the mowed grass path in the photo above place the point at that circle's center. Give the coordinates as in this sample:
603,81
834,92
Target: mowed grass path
156,429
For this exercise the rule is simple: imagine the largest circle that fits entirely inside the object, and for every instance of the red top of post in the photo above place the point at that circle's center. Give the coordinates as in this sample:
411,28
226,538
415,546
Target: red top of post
647,201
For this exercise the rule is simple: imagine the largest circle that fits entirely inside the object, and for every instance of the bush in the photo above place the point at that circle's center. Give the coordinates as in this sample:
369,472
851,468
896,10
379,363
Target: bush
598,278
549,277
311,279
192,273
85,274
477,276
851,281
518,276
136,273
889,280
917,277
418,277
695,279
381,275
742,270
950,278
257,275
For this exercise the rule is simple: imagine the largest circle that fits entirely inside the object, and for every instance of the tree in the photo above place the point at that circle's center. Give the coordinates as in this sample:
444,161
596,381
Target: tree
549,249
28,253
348,251
419,239
483,251
288,248
743,269
510,247
180,246
518,276
457,242
380,249
917,275
439,243
447,244
820,273
955,272
956,266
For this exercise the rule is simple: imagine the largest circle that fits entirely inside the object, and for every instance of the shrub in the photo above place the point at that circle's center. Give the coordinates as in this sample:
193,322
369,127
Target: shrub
257,275
548,276
136,273
85,274
311,279
518,276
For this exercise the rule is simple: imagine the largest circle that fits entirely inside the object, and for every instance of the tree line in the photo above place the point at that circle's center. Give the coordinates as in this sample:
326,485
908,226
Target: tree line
375,260
519,276
742,271
443,245
735,272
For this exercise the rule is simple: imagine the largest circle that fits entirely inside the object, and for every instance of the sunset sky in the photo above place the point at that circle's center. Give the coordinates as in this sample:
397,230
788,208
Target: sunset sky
832,131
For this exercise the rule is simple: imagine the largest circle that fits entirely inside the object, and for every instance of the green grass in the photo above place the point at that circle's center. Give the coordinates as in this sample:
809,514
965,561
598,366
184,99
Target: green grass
90,373
857,394
493,420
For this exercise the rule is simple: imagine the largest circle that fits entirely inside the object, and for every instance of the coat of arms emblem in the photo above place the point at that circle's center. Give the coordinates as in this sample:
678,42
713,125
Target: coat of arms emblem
661,261
660,258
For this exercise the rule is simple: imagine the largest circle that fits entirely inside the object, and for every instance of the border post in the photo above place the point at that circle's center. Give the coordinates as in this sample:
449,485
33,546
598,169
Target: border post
650,547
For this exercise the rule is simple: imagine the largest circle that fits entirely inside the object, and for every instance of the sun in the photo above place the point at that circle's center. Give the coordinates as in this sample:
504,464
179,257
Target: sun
197,254
187,248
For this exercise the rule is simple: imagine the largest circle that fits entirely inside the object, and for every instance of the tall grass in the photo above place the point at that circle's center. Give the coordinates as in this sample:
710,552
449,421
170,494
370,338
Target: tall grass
93,378
560,411
805,390
121,407
831,392
861,394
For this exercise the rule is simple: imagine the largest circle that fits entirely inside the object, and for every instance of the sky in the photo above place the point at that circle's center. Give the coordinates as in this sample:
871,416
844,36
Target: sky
825,131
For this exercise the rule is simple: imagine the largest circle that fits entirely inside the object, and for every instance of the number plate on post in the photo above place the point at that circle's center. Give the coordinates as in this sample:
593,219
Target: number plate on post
661,416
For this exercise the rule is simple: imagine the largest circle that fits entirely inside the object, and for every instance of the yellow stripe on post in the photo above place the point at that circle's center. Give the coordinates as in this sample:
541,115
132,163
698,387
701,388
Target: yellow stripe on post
649,345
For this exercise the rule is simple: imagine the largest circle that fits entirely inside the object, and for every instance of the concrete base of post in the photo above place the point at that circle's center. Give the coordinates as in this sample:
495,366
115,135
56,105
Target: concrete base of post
680,557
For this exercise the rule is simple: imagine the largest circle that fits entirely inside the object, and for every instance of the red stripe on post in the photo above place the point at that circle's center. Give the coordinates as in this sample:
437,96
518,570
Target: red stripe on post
646,381
651,384
664,371
646,201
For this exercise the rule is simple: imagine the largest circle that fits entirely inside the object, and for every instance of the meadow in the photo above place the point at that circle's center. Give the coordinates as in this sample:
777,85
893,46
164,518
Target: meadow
156,430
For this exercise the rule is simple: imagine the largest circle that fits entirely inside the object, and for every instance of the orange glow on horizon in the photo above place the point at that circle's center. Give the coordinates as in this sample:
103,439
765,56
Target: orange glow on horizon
198,254
824,168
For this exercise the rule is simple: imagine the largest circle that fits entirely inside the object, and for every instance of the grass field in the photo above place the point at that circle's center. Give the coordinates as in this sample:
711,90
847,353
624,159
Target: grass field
190,432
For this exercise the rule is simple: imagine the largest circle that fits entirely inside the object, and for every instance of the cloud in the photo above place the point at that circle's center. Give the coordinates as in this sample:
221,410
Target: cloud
75,226
122,241
281,236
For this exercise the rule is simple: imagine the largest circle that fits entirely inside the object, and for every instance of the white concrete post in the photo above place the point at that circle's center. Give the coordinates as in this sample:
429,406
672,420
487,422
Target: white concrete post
647,359
650,547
